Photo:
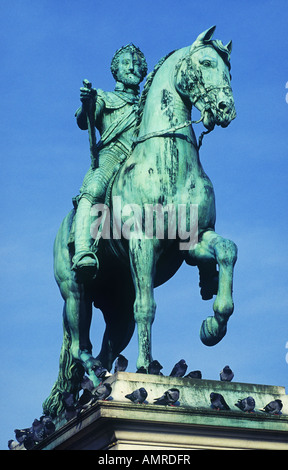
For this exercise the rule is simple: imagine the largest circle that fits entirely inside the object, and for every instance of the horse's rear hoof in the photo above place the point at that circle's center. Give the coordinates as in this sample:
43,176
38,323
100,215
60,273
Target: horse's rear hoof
211,332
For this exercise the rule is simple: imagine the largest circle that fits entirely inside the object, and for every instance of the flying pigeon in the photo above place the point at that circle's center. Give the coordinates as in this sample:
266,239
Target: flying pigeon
154,368
121,364
102,392
195,374
226,375
138,396
179,369
218,402
246,405
274,407
168,398
141,370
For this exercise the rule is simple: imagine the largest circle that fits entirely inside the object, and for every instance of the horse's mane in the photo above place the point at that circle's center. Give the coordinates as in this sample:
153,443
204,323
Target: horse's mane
145,91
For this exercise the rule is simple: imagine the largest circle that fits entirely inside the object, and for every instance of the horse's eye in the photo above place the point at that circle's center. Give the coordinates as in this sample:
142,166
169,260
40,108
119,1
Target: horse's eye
206,63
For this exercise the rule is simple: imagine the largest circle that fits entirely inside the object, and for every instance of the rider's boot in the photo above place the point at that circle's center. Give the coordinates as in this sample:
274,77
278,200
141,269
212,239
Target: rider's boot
85,262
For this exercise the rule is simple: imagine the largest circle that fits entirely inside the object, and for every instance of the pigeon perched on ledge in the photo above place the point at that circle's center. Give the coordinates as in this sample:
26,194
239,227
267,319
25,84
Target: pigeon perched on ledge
246,405
138,396
101,373
102,392
274,407
218,402
179,369
170,397
121,364
154,368
69,405
226,375
194,374
12,445
87,383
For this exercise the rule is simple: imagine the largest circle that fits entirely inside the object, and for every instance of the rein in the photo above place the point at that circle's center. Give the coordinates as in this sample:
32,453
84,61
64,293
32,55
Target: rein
164,132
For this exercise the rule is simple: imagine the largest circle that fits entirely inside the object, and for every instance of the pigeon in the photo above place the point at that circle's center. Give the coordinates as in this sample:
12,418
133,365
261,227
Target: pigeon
25,437
85,401
102,392
154,368
87,383
29,442
226,375
101,373
69,405
246,405
138,396
168,398
121,364
38,430
274,407
141,370
49,426
12,444
195,374
21,434
179,369
218,402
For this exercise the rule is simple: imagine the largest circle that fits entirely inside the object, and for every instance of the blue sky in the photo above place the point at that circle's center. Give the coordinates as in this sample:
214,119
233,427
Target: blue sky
47,48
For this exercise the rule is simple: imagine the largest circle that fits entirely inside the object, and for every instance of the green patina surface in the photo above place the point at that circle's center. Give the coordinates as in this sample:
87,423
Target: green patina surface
147,155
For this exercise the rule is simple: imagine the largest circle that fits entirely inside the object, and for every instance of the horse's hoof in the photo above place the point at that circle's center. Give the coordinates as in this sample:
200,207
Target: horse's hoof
87,360
211,332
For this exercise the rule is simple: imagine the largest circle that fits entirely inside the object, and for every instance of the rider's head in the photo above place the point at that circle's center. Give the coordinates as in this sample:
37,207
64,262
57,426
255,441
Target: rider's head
129,66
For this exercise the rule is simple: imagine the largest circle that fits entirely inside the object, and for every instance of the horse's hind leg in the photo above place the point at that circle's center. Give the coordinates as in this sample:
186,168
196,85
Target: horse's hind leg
212,249
120,327
142,261
78,302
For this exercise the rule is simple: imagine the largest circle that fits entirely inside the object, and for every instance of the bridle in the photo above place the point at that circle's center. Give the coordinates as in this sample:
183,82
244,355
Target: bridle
203,93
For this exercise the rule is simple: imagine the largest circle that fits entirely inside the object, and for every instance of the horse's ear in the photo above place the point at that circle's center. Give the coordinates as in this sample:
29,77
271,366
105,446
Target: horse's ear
206,35
229,47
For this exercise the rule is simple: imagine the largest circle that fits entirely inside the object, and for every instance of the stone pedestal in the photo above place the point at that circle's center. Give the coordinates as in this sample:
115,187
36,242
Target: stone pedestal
117,424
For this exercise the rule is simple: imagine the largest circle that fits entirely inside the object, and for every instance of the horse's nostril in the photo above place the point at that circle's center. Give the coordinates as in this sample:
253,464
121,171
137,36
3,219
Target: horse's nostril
222,106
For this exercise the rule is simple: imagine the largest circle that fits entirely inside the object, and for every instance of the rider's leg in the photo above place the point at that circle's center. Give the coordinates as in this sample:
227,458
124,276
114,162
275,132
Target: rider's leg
84,258
93,192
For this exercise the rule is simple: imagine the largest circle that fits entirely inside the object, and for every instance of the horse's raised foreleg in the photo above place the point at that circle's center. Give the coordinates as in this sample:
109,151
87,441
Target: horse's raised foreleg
213,247
142,261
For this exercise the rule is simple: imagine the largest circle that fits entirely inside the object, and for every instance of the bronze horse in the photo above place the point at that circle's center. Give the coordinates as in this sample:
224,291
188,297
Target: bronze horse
163,170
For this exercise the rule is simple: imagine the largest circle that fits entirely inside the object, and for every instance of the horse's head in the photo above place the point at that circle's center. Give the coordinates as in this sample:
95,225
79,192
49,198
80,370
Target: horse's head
203,77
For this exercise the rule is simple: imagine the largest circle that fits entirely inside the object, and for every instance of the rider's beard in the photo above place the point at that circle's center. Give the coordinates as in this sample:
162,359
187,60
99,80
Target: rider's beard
130,80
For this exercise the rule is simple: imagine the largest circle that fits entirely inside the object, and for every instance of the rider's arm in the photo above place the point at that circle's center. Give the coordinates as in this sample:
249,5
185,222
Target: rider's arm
81,116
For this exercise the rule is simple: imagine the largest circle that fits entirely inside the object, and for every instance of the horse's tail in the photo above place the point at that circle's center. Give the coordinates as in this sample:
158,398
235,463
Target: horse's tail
69,378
